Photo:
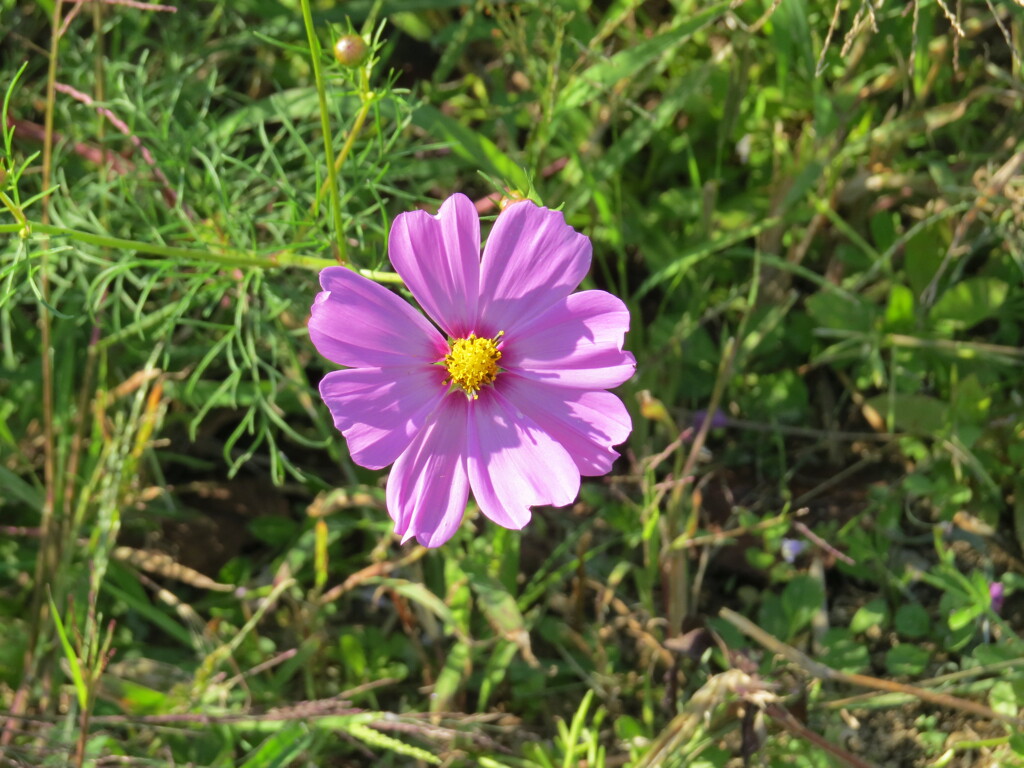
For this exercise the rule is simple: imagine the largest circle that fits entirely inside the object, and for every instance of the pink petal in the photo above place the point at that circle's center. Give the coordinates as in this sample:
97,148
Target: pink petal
380,410
514,464
428,488
532,260
438,257
359,323
586,423
575,343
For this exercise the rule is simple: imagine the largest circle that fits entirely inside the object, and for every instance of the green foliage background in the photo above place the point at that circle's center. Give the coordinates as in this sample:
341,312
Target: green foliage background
814,213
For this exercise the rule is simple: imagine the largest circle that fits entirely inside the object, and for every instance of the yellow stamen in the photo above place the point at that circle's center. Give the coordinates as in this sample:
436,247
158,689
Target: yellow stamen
473,362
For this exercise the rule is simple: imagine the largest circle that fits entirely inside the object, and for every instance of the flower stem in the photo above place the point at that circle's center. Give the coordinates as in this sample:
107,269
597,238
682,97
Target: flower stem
325,126
239,259
46,572
16,212
350,140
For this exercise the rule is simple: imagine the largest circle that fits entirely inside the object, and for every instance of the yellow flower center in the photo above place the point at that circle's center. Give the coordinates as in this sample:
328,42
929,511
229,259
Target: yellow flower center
473,362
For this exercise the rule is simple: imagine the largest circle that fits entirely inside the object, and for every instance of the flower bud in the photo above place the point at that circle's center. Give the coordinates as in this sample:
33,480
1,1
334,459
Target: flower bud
350,50
511,197
996,594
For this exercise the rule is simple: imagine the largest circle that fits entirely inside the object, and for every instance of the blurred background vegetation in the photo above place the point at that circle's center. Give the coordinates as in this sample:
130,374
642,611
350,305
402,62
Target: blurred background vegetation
813,209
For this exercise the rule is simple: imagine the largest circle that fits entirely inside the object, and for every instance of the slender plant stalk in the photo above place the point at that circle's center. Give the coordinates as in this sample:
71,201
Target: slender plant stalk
367,97
238,259
676,568
350,141
81,416
16,212
783,717
817,669
47,363
325,126
100,91
83,733
542,133
49,554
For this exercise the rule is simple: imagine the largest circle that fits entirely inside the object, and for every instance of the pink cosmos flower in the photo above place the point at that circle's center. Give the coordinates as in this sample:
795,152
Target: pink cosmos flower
507,399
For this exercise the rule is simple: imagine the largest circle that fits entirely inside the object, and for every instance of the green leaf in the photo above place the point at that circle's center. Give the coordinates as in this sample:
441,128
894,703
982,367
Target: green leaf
495,671
14,638
923,253
969,302
353,655
293,103
142,607
920,414
712,757
276,531
458,596
471,145
576,728
628,728
281,748
13,487
688,257
1006,698
627,63
962,617
502,612
1017,744
912,620
758,558
424,597
771,616
413,24
81,690
801,599
883,229
873,614
994,654
791,34
971,402
906,660
838,313
638,135
133,697
899,313
843,651
458,665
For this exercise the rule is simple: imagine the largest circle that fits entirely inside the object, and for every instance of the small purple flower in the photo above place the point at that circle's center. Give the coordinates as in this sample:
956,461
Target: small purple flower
510,401
791,549
996,596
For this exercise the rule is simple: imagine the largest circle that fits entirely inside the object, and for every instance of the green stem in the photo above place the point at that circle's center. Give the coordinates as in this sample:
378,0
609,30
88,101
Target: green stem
350,140
231,259
50,547
16,212
325,127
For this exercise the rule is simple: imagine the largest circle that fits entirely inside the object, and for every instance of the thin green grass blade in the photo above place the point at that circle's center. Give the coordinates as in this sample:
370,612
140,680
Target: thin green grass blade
597,79
471,146
81,690
281,749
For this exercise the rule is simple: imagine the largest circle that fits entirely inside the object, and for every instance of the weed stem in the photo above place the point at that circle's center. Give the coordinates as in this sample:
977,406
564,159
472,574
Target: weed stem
17,213
238,259
325,126
819,670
